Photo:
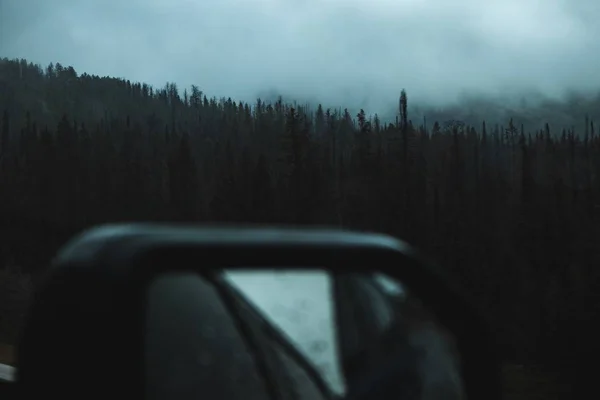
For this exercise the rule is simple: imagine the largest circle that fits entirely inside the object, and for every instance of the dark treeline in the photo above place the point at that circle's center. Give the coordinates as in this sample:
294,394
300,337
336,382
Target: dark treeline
512,214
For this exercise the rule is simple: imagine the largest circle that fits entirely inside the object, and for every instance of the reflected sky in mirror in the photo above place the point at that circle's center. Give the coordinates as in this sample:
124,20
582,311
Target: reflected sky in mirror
300,304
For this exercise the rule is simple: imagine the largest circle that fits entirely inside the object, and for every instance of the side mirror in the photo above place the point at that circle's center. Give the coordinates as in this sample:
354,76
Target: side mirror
157,311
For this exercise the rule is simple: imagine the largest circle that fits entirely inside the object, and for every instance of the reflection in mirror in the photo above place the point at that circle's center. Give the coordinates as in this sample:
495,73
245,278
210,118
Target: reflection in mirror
384,327
416,358
365,335
300,303
193,346
389,286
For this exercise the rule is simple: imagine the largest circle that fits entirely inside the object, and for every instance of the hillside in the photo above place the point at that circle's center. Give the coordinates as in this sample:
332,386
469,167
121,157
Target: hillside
533,111
24,86
513,213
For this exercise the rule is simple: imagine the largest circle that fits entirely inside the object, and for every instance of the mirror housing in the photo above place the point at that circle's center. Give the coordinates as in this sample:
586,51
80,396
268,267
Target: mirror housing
87,317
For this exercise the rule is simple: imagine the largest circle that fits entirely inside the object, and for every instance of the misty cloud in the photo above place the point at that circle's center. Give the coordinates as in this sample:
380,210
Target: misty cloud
341,52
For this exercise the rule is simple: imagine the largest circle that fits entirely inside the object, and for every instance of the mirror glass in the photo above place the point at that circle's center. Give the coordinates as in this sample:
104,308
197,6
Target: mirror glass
326,336
300,304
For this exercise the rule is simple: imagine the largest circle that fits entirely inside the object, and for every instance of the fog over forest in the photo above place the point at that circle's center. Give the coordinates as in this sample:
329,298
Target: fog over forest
347,53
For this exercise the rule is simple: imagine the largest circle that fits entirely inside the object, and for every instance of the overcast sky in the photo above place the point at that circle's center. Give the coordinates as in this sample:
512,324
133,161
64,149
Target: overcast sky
347,52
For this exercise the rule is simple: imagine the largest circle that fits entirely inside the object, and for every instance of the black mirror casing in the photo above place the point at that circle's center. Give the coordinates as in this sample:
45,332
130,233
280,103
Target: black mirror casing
89,310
